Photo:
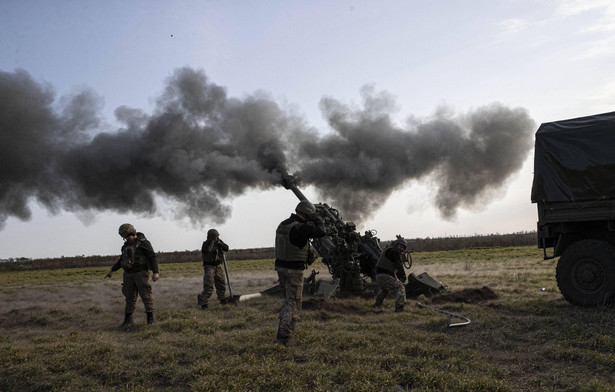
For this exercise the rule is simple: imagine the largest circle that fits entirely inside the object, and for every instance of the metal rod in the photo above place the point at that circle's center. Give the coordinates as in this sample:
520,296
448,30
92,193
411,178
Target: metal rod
448,314
228,281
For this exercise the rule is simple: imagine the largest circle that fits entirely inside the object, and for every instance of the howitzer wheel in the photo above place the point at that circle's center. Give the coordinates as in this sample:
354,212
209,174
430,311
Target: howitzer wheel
585,273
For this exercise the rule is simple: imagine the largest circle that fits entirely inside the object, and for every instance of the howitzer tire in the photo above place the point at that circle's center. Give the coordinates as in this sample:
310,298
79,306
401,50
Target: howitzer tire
585,273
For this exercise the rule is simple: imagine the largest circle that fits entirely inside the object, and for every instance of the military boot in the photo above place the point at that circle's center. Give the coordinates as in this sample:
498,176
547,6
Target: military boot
150,317
127,319
284,340
399,308
382,294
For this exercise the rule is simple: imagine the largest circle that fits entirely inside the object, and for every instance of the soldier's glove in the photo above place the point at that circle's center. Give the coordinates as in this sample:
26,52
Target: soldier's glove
320,223
312,217
402,278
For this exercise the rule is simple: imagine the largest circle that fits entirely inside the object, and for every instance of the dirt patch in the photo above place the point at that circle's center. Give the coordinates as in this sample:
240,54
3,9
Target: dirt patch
466,296
332,306
366,294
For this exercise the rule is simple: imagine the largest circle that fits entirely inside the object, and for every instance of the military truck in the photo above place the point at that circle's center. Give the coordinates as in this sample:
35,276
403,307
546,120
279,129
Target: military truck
574,190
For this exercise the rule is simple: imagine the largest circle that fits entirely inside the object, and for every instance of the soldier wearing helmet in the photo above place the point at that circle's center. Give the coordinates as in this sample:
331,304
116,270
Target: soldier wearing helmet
390,273
292,254
213,274
137,259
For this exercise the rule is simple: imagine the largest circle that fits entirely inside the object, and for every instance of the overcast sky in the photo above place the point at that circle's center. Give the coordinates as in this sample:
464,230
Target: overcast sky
421,60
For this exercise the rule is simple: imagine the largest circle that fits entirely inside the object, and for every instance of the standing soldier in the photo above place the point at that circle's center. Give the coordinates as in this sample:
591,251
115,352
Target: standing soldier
137,259
213,273
292,250
390,274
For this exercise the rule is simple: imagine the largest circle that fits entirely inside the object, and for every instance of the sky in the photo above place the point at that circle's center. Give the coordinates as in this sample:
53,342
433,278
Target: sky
410,117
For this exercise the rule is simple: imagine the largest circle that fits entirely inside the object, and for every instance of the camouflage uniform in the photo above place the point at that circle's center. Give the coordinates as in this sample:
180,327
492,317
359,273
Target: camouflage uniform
291,283
137,260
390,275
291,251
213,271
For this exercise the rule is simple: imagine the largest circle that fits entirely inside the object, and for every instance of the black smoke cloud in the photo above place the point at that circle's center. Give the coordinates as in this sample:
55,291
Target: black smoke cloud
200,148
468,157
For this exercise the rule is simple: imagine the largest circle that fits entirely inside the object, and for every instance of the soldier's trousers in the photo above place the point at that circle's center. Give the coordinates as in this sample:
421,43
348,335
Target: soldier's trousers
134,284
213,277
291,284
389,284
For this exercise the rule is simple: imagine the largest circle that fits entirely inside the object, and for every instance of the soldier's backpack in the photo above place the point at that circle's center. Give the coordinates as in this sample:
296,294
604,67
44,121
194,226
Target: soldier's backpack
423,284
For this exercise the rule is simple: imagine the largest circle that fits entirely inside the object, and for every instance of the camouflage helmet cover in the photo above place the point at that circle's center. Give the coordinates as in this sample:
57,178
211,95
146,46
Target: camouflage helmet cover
213,233
305,207
126,229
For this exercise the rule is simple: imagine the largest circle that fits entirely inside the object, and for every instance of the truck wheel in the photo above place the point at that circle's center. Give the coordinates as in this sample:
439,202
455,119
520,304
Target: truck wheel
585,273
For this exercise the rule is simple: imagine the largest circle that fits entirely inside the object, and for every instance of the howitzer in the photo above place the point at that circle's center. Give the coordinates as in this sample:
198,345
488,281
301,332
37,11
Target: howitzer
350,257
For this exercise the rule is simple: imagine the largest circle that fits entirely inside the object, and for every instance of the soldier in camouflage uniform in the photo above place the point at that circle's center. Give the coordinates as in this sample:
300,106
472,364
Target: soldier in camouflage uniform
213,273
390,274
292,251
137,259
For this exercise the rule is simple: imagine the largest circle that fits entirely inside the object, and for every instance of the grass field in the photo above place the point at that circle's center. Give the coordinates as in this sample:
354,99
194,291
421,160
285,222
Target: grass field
59,330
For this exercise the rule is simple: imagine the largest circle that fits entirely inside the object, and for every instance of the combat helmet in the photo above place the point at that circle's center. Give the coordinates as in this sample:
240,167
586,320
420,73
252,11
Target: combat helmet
126,229
306,208
212,233
400,241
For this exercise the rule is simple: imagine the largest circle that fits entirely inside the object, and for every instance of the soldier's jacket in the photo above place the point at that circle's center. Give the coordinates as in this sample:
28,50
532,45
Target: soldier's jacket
391,263
292,249
137,257
212,252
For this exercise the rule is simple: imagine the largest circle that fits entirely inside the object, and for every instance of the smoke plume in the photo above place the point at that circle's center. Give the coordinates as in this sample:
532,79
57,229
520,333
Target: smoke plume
200,148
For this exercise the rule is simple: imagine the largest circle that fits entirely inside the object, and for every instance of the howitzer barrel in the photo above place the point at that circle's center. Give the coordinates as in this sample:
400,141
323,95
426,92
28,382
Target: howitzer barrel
288,182
298,193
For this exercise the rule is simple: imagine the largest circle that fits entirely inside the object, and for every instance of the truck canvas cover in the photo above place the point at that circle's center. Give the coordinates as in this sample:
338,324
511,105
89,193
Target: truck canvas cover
575,160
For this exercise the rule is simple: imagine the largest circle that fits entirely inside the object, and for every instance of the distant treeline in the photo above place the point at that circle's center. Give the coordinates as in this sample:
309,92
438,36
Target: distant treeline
415,245
476,241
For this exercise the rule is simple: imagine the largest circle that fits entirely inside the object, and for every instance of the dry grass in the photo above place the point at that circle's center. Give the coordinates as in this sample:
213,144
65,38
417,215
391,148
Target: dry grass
59,331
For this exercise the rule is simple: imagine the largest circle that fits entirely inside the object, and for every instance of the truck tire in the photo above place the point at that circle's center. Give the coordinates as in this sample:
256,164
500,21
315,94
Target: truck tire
585,273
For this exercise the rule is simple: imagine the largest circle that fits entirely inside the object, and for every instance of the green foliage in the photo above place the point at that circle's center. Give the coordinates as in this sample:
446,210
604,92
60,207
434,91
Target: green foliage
59,330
